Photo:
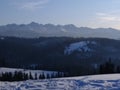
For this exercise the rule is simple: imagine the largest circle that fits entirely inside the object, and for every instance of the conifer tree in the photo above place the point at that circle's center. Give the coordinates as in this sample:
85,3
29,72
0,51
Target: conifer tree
30,76
35,76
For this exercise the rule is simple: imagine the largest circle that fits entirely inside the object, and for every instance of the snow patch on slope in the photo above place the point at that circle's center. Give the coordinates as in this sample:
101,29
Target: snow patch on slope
81,46
2,38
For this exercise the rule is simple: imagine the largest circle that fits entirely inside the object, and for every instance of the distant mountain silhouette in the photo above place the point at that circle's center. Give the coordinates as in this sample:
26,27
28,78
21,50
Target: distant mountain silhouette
34,30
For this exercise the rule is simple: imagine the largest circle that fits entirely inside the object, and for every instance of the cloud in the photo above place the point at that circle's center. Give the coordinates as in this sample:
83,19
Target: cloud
108,17
100,14
33,4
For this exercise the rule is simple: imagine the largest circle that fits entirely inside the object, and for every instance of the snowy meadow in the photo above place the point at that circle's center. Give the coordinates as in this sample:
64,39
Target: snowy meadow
94,82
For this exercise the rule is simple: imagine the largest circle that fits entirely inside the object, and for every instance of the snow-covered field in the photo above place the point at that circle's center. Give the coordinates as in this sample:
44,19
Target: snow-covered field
95,82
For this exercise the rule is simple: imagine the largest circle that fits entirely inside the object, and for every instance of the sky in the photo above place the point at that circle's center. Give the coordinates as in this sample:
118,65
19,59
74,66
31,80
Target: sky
82,13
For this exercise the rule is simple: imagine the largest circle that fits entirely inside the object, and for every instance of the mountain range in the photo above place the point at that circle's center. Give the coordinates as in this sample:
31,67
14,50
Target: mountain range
35,30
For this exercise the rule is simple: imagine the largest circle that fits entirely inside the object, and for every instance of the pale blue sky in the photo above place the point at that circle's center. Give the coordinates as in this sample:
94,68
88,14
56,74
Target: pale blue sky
90,13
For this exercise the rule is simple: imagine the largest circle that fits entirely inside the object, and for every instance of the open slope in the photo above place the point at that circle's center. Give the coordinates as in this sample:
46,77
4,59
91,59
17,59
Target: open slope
95,82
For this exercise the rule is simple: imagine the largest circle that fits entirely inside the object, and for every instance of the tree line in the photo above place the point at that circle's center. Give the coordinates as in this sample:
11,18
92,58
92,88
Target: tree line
20,76
109,67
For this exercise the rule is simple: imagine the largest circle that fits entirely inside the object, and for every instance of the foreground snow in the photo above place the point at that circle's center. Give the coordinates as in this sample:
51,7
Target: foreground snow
95,82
